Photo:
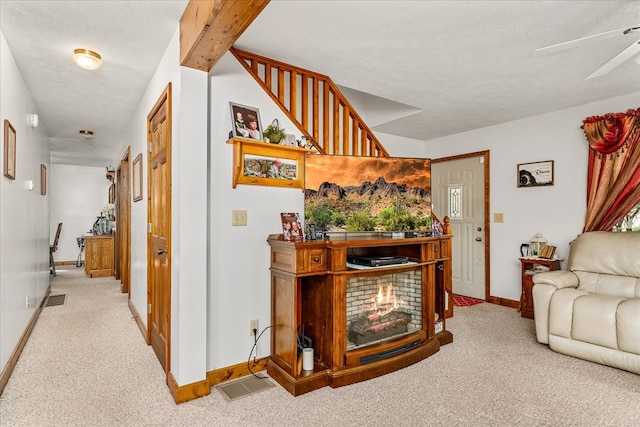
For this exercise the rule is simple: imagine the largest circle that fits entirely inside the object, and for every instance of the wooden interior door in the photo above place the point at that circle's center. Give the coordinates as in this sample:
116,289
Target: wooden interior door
458,190
123,222
159,228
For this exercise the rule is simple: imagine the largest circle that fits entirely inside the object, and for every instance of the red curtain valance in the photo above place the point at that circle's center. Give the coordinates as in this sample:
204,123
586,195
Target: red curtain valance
613,174
607,134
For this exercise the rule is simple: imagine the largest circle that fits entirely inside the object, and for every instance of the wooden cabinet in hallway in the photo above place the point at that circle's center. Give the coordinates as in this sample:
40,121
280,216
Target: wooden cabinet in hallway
99,256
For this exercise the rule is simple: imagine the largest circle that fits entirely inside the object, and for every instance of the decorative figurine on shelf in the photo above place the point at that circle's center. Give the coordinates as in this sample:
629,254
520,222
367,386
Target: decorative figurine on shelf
305,142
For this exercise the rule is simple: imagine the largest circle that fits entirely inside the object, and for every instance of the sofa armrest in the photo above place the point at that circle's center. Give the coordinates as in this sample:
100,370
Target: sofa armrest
542,294
544,286
559,279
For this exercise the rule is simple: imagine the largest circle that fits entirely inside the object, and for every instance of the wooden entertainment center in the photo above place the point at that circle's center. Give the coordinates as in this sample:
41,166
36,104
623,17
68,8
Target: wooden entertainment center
309,301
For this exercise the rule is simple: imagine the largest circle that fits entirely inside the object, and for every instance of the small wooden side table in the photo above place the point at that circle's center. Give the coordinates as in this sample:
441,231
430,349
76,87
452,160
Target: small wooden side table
526,298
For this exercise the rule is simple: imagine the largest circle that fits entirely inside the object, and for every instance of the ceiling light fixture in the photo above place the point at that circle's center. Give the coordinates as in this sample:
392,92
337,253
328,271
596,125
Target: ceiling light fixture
87,59
86,134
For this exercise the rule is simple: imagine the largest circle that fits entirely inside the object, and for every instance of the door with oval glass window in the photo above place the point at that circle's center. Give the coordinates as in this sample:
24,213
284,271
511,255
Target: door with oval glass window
457,187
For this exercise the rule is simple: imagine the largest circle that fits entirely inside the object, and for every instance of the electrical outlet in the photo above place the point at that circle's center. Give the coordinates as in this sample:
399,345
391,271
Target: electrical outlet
254,324
238,217
27,302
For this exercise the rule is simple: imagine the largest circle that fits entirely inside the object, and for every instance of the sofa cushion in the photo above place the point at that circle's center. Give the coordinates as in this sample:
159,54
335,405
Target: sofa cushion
608,284
561,311
628,317
594,319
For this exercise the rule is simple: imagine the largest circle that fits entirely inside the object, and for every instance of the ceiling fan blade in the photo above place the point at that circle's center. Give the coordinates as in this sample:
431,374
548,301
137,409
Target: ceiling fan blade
629,52
572,43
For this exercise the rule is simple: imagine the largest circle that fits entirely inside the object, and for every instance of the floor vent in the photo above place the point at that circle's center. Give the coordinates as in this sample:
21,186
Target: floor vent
232,390
55,300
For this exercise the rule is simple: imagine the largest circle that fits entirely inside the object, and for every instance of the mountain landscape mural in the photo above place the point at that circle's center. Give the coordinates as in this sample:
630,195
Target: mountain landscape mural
350,193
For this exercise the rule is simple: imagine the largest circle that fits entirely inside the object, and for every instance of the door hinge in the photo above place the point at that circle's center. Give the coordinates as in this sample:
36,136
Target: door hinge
149,228
148,308
149,146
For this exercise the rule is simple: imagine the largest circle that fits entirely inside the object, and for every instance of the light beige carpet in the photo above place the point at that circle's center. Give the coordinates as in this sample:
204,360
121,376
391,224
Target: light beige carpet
86,364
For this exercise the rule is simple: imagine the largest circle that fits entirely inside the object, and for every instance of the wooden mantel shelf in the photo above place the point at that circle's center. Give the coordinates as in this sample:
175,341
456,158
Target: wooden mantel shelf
261,163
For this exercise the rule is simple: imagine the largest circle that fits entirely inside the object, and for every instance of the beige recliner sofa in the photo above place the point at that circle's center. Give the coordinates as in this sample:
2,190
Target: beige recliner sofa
592,310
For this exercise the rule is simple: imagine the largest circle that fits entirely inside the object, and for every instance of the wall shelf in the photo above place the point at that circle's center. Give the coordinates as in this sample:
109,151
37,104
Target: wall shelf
261,163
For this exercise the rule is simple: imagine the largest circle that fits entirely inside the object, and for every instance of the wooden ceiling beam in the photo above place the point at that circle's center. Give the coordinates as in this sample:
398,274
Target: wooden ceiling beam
208,28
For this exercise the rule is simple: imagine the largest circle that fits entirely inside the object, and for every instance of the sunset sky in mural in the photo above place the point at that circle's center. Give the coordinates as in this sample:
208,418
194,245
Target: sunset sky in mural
351,170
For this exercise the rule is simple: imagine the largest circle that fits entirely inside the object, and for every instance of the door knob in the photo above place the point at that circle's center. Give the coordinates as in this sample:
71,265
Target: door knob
478,239
161,251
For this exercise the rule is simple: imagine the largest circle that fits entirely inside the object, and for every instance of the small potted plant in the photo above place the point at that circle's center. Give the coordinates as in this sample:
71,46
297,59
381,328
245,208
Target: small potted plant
274,134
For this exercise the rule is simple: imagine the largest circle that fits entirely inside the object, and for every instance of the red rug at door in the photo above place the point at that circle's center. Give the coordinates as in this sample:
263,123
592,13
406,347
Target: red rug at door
462,301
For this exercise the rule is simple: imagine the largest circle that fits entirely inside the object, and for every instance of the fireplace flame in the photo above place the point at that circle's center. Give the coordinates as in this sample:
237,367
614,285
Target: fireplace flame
384,302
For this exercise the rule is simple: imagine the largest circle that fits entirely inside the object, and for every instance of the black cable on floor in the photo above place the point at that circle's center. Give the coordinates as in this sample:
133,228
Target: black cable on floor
255,344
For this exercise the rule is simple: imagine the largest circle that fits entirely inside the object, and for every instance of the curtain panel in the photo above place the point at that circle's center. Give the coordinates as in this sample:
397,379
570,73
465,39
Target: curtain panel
613,174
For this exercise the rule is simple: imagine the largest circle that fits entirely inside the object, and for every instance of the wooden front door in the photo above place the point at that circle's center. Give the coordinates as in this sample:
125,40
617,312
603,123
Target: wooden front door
159,227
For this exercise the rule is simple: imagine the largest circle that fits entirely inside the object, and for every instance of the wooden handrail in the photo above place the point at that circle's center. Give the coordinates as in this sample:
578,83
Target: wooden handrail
315,105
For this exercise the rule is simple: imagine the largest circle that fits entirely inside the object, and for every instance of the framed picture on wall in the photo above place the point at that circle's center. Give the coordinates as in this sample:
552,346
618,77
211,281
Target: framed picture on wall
245,121
535,174
9,150
137,178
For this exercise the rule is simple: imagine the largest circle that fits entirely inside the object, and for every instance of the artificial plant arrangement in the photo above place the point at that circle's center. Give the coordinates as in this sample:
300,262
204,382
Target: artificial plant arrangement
274,133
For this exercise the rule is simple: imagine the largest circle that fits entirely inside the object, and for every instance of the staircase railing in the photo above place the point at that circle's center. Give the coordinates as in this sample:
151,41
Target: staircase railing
315,104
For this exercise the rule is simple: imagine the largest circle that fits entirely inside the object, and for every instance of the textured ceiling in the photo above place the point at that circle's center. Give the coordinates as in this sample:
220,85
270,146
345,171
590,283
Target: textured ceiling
131,37
428,68
462,65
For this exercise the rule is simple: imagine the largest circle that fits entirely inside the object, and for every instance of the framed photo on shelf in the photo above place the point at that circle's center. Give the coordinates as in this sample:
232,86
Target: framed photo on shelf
9,150
535,174
289,140
43,180
137,178
245,121
291,226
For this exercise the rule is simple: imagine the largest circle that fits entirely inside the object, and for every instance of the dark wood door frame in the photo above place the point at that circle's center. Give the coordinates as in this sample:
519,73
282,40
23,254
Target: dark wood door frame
123,222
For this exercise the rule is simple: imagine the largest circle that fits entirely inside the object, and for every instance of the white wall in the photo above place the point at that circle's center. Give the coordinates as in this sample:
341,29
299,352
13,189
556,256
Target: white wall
24,215
558,211
78,194
398,146
188,215
239,278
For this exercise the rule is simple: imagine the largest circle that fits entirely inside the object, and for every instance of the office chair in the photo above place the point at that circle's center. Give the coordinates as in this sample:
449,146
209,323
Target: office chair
52,249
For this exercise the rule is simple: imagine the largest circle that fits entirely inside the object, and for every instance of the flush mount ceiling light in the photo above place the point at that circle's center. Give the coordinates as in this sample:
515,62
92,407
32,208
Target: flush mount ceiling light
86,134
87,59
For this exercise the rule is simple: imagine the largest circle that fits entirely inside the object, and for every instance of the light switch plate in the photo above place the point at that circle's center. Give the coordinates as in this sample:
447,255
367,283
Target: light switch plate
239,218
498,217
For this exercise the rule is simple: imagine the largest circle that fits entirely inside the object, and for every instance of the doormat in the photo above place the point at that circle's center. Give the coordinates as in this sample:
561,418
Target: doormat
462,301
232,390
55,300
